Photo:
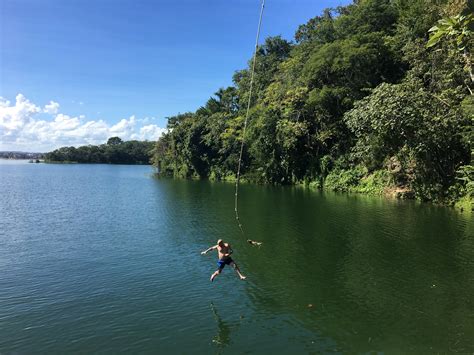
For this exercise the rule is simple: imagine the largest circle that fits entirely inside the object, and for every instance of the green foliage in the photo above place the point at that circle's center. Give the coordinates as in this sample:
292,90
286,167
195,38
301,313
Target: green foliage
358,62
464,188
458,28
366,16
359,103
115,151
465,175
466,204
345,180
315,185
375,183
406,122
114,141
416,17
359,180
319,29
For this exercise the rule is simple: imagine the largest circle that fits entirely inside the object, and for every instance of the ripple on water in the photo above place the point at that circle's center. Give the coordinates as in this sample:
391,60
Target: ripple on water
108,260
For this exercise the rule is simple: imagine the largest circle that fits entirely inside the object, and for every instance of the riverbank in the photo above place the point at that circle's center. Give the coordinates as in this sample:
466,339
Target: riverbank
342,107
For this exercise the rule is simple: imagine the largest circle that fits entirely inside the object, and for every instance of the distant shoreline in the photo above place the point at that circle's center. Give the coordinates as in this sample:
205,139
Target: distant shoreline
75,162
17,155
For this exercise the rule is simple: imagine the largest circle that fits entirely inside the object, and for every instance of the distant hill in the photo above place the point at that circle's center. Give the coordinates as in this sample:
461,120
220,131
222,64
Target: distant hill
20,155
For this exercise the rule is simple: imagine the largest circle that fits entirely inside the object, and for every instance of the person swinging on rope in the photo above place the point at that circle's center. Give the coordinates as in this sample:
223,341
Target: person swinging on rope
223,251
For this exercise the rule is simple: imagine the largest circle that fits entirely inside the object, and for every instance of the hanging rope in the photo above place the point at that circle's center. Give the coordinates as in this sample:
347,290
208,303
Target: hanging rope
236,204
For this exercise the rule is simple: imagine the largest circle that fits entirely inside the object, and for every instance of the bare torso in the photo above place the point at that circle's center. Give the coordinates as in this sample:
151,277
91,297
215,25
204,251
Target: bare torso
224,251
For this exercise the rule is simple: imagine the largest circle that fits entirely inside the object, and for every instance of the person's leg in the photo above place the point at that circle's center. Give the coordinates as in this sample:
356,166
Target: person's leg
214,275
237,270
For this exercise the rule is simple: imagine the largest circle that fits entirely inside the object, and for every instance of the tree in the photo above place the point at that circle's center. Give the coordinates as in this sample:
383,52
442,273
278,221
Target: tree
319,29
114,141
405,123
358,95
131,152
458,29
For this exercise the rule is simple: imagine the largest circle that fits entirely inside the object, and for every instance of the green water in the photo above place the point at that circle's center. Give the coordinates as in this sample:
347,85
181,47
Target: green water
97,258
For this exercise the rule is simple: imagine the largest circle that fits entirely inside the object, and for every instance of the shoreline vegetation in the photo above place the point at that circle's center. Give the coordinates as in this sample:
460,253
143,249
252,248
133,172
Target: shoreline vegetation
16,155
373,97
115,151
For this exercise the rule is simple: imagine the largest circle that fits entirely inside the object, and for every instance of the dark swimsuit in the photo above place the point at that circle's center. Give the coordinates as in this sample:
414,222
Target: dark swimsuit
226,260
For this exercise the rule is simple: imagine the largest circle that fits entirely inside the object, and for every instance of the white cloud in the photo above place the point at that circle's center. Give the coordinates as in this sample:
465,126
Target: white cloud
20,129
14,118
52,107
4,102
125,128
151,132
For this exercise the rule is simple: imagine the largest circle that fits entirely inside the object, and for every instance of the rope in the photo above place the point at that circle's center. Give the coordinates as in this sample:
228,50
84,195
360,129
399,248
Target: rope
236,203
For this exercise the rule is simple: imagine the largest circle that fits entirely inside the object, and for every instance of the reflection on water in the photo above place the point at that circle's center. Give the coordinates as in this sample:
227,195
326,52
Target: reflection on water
222,338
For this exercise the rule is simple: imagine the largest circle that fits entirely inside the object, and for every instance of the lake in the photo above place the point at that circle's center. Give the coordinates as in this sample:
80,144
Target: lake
103,258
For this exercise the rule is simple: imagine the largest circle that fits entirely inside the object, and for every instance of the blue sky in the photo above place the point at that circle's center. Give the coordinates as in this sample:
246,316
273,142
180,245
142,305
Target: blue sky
109,60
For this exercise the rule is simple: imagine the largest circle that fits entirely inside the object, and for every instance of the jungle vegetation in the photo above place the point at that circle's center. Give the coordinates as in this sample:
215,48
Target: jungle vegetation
371,97
116,151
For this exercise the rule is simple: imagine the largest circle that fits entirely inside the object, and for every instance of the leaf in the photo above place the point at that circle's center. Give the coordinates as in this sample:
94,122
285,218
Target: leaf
434,39
450,21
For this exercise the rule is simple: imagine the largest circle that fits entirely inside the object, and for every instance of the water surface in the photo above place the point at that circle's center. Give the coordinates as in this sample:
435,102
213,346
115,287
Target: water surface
106,258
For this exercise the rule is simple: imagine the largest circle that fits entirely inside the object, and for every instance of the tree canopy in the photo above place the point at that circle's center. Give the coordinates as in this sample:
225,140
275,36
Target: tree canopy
362,100
116,151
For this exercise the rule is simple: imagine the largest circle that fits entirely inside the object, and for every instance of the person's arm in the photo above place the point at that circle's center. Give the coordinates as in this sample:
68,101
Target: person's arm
209,249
